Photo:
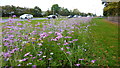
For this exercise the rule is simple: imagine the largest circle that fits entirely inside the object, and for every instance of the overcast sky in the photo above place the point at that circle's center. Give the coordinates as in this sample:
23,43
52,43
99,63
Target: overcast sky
93,6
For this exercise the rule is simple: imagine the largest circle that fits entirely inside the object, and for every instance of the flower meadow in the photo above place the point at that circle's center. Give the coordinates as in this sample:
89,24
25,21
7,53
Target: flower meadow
49,43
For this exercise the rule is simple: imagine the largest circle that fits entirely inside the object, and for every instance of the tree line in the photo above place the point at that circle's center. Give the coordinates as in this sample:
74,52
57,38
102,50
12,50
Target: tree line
111,8
9,10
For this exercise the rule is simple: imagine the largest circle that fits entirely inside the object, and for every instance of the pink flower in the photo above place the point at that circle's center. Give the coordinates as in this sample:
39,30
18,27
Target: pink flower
67,37
33,57
66,43
30,55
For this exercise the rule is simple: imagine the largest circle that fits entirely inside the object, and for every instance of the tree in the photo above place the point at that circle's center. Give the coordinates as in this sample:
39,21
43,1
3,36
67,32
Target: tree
55,8
111,9
64,11
76,12
37,11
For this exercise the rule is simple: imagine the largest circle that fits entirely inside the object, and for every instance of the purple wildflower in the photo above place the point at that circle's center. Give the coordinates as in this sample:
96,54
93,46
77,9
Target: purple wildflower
66,43
80,59
93,61
68,52
77,64
68,47
14,16
67,37
50,59
34,66
27,54
40,59
33,57
6,55
75,39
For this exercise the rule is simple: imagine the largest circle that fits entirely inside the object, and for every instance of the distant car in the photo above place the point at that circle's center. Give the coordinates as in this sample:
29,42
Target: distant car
70,16
75,16
26,16
51,16
79,16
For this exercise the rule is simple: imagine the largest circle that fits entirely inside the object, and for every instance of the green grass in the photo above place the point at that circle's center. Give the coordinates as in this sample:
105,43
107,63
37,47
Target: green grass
104,42
8,17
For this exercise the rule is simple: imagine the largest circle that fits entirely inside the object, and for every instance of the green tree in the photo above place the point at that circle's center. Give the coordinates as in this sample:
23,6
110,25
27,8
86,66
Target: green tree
76,12
55,8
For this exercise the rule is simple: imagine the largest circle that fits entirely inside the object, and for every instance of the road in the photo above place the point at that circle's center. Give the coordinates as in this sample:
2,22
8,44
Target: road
6,20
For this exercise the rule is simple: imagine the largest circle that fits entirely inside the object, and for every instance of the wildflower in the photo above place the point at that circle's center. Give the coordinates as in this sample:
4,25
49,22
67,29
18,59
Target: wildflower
68,47
80,59
57,33
67,37
40,52
62,49
43,35
77,64
33,57
19,65
44,56
6,55
93,61
19,24
39,44
75,39
34,66
50,59
58,43
51,53
24,42
27,54
70,41
66,43
54,39
30,55
68,52
40,59
50,32
23,59
14,16
29,63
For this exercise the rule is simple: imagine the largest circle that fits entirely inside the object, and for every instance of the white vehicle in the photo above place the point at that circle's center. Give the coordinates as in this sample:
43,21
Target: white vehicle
26,16
75,16
52,16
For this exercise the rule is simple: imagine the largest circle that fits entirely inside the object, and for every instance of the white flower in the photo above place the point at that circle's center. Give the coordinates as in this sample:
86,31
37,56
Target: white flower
44,56
51,53
20,60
